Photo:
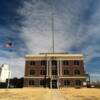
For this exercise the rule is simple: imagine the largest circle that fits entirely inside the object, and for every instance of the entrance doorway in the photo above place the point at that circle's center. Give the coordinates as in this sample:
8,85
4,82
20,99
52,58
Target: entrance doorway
54,83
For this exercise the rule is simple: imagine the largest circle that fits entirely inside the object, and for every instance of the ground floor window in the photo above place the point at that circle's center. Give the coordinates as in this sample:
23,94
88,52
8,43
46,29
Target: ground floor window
42,82
31,82
78,82
66,82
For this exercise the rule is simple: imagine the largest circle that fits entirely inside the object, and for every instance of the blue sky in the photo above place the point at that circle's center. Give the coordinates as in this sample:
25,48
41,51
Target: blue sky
27,24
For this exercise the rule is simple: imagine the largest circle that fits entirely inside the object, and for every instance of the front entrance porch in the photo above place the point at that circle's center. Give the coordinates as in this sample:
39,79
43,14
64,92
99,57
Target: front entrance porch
54,83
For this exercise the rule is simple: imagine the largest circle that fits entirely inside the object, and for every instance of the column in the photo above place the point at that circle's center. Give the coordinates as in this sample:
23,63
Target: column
58,70
47,69
50,73
58,83
60,67
51,83
50,69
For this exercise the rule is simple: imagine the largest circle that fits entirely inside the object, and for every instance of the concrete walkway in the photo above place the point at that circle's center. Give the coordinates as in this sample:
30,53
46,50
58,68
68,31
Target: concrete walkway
53,94
56,95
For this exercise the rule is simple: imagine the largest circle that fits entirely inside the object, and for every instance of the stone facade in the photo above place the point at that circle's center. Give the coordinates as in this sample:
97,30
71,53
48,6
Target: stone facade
54,70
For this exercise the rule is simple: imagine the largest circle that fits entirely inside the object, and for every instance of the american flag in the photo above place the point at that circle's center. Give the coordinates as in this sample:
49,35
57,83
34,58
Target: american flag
8,45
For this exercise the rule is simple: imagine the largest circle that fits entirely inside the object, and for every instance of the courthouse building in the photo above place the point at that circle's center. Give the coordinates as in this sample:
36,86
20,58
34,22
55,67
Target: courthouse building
54,70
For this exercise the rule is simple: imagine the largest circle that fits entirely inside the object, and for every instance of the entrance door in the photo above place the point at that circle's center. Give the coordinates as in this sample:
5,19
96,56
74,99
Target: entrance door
54,83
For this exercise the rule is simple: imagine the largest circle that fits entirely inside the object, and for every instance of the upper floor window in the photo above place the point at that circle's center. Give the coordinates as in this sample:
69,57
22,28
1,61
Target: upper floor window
32,62
43,62
54,72
76,62
76,72
54,62
31,82
43,72
42,82
66,72
65,62
32,72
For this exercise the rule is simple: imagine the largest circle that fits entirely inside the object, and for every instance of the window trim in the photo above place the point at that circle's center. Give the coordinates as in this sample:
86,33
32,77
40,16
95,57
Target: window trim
32,73
32,63
31,82
67,83
66,72
76,72
76,62
42,72
43,62
78,82
65,62
54,72
54,63
42,82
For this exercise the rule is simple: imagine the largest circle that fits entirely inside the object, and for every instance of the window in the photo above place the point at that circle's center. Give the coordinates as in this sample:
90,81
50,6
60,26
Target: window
65,62
43,62
77,72
43,72
78,82
42,82
66,82
66,72
32,62
54,62
54,72
76,62
31,82
32,72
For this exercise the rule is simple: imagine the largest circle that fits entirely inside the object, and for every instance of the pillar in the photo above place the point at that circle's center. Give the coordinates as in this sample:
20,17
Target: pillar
47,68
60,68
50,69
50,73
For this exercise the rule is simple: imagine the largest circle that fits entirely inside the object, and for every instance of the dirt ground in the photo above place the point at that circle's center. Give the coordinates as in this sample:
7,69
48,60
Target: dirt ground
81,94
50,94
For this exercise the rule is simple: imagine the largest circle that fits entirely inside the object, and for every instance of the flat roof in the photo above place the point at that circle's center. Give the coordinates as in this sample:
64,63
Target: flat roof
54,55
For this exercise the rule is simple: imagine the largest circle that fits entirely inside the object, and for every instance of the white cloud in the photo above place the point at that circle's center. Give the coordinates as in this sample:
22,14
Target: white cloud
70,28
70,25
37,32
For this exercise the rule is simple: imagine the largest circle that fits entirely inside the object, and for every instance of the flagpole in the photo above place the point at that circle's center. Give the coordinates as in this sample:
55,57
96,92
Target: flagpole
8,45
52,25
8,81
